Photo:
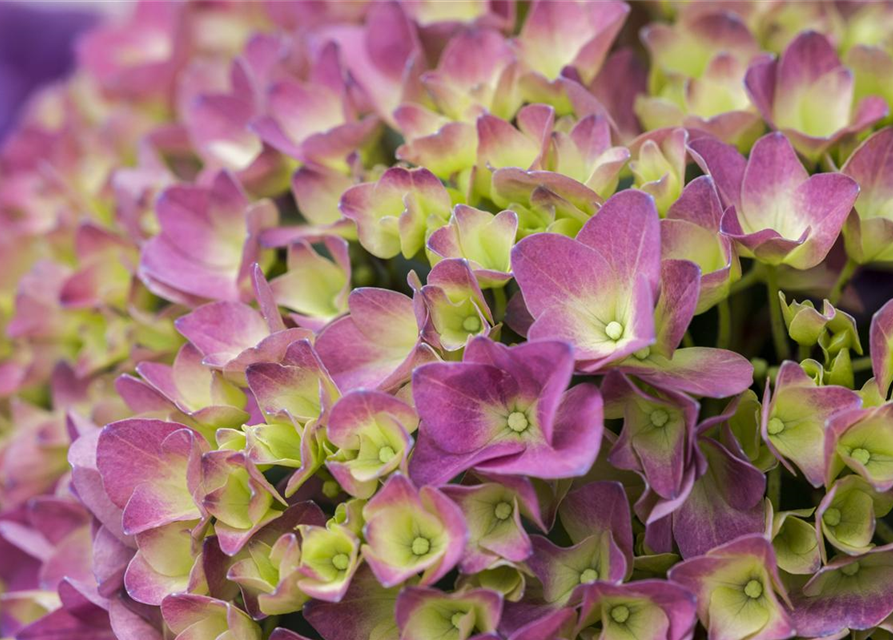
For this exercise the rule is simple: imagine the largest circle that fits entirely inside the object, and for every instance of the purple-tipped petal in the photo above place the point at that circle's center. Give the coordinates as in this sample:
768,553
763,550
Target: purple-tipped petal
626,232
661,609
726,605
723,504
425,613
848,593
150,468
562,569
795,420
700,371
222,330
377,345
410,531
867,232
596,507
505,411
881,347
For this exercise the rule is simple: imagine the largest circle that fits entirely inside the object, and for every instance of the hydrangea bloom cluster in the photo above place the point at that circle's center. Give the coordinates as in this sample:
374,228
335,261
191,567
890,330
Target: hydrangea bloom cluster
462,320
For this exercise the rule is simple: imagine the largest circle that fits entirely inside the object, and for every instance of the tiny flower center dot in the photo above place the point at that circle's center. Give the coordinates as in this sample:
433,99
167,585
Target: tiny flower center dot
659,417
775,427
753,589
385,454
860,455
330,488
614,330
503,510
421,546
471,324
517,421
642,353
589,575
831,517
341,561
456,620
620,614
850,569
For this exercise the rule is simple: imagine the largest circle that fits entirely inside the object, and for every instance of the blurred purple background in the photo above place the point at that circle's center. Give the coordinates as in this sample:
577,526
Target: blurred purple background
36,47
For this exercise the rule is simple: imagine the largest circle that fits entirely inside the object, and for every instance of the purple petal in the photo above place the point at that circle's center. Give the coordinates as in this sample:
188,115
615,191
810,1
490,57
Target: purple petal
626,232
699,203
723,505
595,507
881,347
568,288
848,593
724,164
575,441
376,345
222,330
680,288
700,371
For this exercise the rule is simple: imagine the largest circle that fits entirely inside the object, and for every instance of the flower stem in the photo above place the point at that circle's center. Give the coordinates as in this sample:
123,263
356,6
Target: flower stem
724,332
803,352
861,364
845,274
779,333
773,488
747,280
499,303
269,624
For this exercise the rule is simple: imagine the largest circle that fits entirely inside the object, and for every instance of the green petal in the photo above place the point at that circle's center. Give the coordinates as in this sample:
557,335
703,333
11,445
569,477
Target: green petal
736,614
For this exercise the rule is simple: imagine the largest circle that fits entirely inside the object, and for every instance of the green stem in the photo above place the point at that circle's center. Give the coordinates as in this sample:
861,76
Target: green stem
499,303
779,333
747,280
803,352
269,624
846,273
687,340
724,332
861,364
773,488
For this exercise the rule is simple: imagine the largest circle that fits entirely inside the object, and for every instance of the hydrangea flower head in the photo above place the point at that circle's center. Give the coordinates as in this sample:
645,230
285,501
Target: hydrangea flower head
479,320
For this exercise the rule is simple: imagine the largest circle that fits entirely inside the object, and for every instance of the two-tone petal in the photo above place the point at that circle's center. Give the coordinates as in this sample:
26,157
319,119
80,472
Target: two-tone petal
410,531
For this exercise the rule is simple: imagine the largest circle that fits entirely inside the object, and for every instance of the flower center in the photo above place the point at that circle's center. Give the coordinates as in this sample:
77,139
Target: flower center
456,620
503,510
385,454
589,575
518,422
614,330
341,561
753,589
472,324
775,427
330,488
659,417
862,456
850,569
421,546
831,517
642,353
620,613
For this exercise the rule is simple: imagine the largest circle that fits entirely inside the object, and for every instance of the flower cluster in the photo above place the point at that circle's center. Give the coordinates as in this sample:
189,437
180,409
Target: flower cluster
449,320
